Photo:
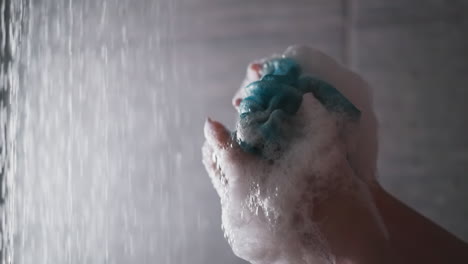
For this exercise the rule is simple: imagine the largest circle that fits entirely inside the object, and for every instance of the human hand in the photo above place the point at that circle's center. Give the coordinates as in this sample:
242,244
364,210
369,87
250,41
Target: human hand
271,207
352,86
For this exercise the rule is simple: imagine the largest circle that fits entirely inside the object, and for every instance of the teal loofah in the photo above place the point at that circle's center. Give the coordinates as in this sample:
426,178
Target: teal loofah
270,102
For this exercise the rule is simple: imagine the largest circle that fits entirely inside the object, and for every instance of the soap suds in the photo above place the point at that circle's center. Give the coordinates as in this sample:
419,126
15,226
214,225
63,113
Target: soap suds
363,158
266,205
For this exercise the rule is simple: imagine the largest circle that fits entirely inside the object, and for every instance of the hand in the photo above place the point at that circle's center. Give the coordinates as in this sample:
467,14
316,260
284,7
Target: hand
352,86
274,211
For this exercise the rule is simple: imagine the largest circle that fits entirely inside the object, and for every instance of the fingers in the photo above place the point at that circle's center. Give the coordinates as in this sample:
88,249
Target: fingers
216,134
351,93
313,61
330,97
316,120
357,91
254,72
223,159
322,66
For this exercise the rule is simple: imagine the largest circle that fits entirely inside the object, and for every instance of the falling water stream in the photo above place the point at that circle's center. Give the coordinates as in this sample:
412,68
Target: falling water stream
95,157
98,128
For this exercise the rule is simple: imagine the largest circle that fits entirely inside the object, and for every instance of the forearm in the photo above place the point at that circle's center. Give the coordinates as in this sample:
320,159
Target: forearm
416,238
349,222
353,231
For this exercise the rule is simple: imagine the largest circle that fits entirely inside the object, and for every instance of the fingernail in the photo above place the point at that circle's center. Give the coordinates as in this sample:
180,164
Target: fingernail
216,133
254,72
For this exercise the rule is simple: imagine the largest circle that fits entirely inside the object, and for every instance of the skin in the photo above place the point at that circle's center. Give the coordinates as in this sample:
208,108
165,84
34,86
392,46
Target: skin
362,224
346,218
414,237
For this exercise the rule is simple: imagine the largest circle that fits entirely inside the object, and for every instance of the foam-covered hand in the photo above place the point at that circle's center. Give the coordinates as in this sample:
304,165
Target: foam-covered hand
290,151
317,64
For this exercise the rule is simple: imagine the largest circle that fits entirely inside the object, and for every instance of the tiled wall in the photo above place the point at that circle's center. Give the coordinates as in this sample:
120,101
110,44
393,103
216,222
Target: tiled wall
414,54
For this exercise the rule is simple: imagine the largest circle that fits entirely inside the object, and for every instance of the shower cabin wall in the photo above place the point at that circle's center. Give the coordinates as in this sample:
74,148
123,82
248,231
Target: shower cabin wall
114,94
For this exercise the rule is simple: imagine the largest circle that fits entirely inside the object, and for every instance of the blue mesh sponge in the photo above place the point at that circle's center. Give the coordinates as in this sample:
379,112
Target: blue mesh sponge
269,103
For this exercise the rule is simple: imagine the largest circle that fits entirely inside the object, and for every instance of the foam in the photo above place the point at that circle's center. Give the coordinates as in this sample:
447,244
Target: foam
363,158
267,202
266,206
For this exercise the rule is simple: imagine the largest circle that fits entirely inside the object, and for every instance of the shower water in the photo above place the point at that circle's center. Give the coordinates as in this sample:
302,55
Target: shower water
99,157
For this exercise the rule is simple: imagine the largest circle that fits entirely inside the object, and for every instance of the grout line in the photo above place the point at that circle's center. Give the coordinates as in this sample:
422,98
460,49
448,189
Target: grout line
348,13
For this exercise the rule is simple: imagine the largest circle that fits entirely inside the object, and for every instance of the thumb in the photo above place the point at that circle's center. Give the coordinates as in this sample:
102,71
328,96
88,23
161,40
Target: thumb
216,134
223,158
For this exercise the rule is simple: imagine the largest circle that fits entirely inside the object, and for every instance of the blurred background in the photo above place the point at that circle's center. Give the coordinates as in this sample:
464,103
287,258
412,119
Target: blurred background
107,100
